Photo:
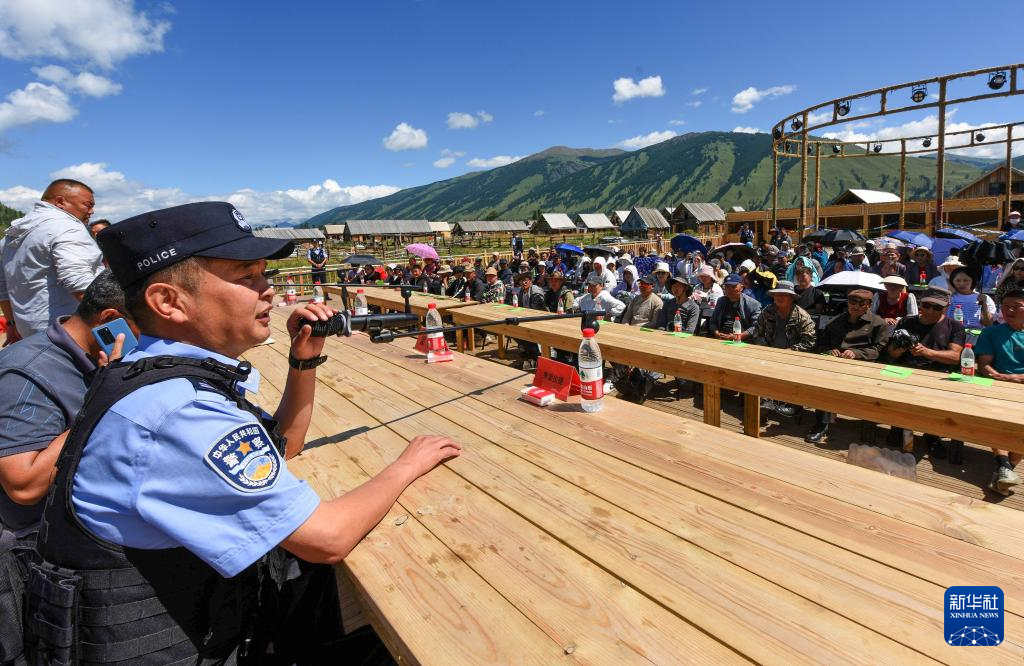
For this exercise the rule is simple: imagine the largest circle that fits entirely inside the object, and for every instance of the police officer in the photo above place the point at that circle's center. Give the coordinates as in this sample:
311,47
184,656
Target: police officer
317,258
160,539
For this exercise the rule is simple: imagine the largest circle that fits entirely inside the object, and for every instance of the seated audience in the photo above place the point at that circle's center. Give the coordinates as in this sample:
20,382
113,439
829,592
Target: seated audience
896,302
689,310
978,309
597,299
811,299
733,304
784,325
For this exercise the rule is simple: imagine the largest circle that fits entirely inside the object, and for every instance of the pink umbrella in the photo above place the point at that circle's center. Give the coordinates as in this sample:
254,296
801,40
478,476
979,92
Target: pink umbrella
423,251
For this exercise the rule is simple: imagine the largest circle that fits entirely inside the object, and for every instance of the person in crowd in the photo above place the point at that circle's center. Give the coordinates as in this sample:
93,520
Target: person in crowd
368,275
861,334
629,287
517,246
529,296
599,268
896,302
1000,355
642,311
1012,222
839,262
806,261
708,290
557,263
979,311
43,381
734,303
317,257
859,259
495,260
418,280
784,325
597,299
819,254
871,252
719,266
661,275
746,235
186,478
929,341
557,293
440,280
474,285
811,299
540,277
96,226
47,259
946,268
395,275
505,273
922,269
890,264
780,266
494,289
457,283
1012,279
681,301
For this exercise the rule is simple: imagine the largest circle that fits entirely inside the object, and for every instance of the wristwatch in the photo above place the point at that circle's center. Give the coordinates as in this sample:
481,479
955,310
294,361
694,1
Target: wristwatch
307,364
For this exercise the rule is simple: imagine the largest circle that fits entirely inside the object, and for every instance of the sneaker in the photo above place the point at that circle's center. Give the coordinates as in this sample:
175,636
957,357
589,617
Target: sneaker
1003,480
785,409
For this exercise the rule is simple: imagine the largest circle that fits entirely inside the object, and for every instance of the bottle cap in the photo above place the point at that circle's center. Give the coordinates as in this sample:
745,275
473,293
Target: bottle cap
431,306
969,346
360,291
588,333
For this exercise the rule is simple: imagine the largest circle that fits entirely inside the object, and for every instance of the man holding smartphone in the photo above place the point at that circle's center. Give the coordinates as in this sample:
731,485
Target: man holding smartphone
172,492
43,380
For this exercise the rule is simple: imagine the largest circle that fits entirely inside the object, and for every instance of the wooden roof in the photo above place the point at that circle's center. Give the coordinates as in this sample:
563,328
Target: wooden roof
1017,175
702,212
440,227
594,221
334,229
645,218
388,227
284,233
864,196
492,226
558,221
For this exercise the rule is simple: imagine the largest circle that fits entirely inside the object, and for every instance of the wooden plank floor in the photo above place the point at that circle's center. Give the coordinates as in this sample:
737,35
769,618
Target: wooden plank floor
969,479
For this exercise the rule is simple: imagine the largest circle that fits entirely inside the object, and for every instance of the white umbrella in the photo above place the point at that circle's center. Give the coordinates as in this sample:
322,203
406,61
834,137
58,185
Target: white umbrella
847,279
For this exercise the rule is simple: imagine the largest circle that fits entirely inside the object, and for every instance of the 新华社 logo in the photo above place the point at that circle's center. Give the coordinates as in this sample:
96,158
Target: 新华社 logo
973,615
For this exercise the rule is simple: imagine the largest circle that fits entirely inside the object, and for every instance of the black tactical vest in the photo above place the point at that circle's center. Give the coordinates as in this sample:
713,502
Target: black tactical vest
91,601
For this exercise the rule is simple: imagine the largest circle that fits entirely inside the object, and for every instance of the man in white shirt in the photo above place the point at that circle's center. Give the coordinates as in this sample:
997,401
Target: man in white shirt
47,259
597,299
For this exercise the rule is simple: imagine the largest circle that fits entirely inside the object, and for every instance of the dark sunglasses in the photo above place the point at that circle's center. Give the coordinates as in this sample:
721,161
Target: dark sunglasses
858,301
932,306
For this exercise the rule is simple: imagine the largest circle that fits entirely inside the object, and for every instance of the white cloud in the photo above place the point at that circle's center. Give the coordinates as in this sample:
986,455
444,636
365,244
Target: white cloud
645,140
695,104
103,32
746,130
491,162
745,99
118,196
677,122
85,83
448,158
460,120
626,88
406,137
538,113
36,102
698,91
929,126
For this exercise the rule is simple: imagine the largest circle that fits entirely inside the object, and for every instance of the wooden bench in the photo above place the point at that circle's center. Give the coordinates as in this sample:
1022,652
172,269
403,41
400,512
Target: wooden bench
925,401
630,535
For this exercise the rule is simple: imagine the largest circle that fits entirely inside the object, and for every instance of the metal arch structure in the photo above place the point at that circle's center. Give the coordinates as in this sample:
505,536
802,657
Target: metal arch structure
796,129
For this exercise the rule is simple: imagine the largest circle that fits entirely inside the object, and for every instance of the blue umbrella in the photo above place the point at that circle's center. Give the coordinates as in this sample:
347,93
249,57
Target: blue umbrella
685,243
952,232
911,238
568,248
942,248
1013,236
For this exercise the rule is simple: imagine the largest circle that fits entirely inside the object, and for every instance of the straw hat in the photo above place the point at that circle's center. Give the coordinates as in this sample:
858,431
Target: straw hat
951,261
661,267
894,279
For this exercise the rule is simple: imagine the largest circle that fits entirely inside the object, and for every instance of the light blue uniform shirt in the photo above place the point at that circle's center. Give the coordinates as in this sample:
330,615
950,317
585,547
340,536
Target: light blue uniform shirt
176,464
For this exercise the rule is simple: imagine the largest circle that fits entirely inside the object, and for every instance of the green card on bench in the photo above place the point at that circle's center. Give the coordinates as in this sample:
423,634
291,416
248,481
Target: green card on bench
734,343
896,371
980,381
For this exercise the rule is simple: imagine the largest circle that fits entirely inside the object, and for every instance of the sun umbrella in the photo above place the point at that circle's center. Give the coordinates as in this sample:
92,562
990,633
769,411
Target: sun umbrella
911,238
847,279
833,237
423,251
568,248
985,253
951,232
740,252
1013,236
603,250
687,243
943,247
361,260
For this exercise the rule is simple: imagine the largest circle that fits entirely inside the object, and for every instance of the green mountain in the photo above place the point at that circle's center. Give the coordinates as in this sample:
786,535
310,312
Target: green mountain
8,215
729,168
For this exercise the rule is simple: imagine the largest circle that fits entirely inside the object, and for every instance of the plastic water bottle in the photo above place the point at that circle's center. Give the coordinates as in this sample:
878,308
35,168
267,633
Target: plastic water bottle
591,373
289,295
435,341
424,286
737,329
561,307
318,293
362,308
967,361
465,294
677,322
958,315
515,300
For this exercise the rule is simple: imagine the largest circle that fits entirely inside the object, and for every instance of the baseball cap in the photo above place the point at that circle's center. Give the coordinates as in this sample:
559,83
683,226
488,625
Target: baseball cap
862,293
732,279
937,296
142,245
491,271
648,278
595,279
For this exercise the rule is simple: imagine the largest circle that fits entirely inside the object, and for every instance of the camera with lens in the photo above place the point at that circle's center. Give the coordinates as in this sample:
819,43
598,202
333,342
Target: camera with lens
901,338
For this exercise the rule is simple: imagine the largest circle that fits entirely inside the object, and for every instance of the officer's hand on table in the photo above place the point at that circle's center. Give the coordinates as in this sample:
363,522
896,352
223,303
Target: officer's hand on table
425,452
304,346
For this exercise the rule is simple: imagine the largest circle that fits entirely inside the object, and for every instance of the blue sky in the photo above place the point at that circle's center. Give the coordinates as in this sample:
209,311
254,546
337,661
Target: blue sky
290,109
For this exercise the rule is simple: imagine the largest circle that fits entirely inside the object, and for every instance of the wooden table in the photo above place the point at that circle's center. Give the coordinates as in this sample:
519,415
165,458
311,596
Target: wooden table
925,401
631,536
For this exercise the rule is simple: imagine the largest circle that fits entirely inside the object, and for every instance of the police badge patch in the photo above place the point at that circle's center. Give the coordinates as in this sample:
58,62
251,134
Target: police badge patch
240,221
245,458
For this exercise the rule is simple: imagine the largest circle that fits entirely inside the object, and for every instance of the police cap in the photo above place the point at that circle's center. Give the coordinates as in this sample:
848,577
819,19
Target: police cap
142,245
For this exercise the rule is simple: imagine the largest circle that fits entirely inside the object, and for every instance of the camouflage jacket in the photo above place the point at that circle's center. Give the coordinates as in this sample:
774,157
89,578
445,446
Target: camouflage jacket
800,328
